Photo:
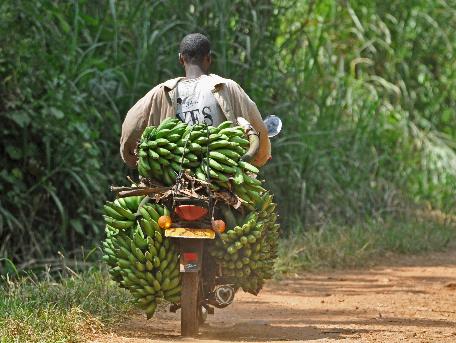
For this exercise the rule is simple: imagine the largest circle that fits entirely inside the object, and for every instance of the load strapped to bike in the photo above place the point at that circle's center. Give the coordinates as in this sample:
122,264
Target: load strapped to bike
197,226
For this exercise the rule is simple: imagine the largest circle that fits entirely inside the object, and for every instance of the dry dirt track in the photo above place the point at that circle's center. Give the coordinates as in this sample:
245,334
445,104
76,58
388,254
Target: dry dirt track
414,301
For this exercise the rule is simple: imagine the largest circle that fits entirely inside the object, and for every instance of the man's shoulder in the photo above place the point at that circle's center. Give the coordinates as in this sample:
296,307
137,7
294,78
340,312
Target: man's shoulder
219,80
171,83
231,86
166,85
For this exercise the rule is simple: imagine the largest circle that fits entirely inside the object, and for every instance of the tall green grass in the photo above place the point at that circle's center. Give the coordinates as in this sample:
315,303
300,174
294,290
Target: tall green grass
363,244
366,91
369,104
70,309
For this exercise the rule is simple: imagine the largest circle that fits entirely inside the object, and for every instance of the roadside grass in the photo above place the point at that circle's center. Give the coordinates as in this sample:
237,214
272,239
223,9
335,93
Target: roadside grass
68,310
339,247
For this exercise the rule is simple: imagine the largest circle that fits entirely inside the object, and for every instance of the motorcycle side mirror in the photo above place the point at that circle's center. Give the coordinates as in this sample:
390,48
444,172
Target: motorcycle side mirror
273,124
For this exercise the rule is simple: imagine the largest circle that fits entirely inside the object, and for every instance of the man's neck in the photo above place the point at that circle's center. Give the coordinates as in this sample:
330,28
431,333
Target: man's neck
193,71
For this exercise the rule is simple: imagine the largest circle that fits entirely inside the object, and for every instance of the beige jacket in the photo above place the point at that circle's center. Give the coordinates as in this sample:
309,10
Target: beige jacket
160,103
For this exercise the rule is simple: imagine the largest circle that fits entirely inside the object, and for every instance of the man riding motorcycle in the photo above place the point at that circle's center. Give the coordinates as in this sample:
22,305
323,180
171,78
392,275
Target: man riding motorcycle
199,97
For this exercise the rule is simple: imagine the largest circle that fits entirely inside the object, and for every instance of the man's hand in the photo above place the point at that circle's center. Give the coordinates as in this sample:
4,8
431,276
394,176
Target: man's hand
254,139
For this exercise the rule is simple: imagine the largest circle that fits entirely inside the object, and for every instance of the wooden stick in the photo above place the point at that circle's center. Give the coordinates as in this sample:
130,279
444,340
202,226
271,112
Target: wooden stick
131,191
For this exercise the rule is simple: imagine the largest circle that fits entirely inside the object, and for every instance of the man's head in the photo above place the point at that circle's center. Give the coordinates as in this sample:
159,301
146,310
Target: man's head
195,49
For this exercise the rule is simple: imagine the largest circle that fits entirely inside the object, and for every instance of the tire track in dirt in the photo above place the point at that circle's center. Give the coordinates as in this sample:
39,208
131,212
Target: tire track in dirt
410,301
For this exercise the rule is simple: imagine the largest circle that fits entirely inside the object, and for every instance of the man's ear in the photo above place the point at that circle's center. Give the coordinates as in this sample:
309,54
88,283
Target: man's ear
207,61
181,59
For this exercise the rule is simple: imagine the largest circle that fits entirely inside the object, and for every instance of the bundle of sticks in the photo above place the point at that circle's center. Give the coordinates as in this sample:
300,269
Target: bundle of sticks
185,186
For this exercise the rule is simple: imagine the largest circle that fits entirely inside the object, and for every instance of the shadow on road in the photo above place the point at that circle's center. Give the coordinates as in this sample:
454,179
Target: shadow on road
257,331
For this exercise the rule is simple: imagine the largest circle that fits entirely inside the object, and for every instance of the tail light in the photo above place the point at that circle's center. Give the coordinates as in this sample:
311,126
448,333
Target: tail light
190,212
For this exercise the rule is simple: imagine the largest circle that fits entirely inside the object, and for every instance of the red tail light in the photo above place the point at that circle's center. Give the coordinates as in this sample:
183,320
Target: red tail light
190,212
190,257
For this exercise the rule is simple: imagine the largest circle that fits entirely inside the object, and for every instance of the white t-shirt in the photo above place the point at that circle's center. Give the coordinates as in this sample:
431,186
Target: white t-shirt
196,104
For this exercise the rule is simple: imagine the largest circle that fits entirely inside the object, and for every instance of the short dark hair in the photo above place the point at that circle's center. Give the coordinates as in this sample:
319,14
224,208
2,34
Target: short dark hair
194,47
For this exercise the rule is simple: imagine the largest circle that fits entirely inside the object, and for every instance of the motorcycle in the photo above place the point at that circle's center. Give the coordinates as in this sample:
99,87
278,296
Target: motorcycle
203,285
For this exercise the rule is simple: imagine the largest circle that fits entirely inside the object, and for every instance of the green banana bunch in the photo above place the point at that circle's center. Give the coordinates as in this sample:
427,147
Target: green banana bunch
166,149
222,163
119,214
221,158
209,152
247,252
140,257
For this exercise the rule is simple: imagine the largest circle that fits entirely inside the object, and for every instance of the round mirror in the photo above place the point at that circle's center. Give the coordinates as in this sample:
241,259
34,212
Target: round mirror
273,124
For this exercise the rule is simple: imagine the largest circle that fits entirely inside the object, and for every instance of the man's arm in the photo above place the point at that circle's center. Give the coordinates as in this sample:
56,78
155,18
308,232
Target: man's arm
133,126
244,107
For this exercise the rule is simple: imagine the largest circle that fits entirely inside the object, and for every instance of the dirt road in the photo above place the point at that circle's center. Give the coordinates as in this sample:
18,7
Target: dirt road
414,301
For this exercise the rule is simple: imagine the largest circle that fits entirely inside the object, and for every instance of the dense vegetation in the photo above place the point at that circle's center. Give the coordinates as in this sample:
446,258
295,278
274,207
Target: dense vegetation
366,90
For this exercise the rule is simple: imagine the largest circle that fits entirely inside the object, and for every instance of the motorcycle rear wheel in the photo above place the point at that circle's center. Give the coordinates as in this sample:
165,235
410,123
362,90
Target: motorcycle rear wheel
190,304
